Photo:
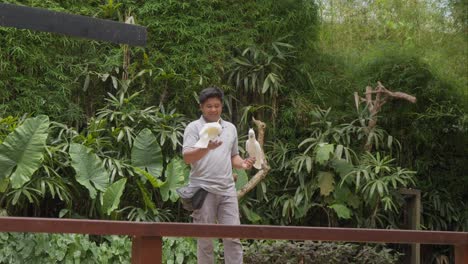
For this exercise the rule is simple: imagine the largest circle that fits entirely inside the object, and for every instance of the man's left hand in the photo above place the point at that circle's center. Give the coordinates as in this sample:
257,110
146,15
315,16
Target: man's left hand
248,163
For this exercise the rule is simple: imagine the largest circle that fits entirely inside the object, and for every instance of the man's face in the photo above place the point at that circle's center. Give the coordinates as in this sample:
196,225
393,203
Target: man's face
212,109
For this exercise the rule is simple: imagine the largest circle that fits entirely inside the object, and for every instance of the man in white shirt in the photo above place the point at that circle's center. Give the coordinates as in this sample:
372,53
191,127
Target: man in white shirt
211,169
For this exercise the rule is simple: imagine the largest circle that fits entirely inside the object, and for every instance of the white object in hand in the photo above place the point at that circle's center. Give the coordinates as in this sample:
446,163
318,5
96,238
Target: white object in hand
208,132
253,148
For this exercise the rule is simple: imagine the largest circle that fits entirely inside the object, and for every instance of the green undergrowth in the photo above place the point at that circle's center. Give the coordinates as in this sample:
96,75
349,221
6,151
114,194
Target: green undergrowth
74,248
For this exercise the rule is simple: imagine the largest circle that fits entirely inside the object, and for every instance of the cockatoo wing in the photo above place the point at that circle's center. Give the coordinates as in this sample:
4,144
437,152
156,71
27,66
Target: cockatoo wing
259,157
250,147
208,132
253,148
203,141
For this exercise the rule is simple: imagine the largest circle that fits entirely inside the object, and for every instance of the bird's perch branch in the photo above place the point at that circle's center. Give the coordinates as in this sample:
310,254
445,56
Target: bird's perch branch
261,131
261,174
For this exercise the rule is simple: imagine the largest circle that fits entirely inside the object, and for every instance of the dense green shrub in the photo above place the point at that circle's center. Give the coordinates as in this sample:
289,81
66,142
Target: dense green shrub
433,132
317,253
193,44
189,45
184,250
62,248
16,248
73,248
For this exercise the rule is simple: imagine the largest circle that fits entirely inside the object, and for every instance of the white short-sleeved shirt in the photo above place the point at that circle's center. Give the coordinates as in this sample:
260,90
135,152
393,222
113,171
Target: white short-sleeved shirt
213,172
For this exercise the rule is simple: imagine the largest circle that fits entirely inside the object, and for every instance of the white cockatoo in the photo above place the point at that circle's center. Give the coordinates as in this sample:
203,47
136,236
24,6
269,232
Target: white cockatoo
254,149
208,132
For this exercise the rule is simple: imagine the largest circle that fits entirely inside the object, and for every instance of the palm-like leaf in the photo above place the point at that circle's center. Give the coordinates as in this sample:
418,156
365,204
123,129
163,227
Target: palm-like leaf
89,169
146,153
23,149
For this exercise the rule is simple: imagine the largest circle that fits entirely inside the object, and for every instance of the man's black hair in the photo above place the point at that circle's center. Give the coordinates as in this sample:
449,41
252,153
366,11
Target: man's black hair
210,92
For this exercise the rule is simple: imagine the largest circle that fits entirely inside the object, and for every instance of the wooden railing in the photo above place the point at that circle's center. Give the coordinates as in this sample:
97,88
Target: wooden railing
147,237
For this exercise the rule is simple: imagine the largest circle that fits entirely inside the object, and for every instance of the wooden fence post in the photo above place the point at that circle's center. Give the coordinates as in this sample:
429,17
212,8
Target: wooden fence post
461,254
413,203
146,250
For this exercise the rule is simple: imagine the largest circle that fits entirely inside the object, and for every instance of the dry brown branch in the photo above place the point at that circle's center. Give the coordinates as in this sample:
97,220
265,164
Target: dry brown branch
374,104
261,174
261,130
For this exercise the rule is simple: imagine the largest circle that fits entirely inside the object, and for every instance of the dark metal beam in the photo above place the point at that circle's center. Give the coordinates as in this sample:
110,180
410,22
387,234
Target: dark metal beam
23,17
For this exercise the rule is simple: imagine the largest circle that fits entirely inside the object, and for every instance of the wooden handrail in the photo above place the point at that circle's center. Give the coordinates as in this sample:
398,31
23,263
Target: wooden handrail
147,236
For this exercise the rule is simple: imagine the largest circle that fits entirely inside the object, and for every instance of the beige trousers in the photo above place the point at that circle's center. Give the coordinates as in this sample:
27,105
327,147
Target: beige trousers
223,210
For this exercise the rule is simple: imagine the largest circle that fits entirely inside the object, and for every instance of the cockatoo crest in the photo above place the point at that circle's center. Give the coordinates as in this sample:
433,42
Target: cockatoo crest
252,134
254,149
208,132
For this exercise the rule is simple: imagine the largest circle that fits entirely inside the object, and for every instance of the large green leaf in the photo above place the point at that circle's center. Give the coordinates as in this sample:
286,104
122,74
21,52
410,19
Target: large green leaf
23,149
175,178
90,171
242,178
324,150
146,153
341,210
325,182
111,197
343,195
342,167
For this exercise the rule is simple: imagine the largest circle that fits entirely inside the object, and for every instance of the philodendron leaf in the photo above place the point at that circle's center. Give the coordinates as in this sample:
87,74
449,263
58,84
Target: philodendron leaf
323,152
341,210
146,153
90,171
175,171
22,151
111,197
325,182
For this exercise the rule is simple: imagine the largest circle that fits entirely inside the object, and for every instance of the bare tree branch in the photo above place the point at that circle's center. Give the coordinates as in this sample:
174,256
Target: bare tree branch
261,126
382,96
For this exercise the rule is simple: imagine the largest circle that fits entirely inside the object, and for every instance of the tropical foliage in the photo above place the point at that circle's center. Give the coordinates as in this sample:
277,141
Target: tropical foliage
94,130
